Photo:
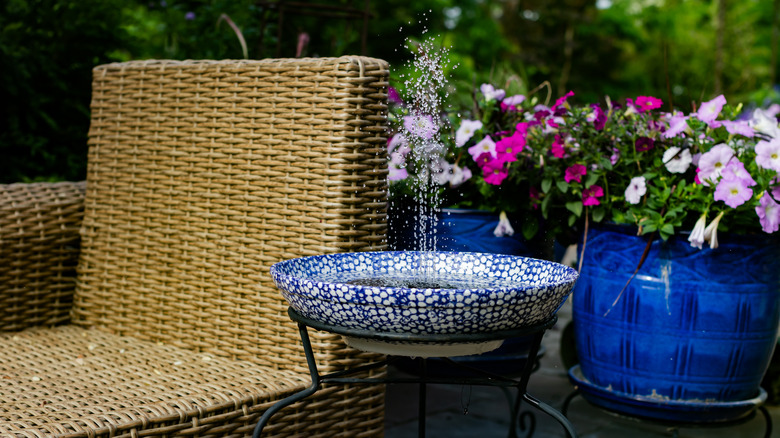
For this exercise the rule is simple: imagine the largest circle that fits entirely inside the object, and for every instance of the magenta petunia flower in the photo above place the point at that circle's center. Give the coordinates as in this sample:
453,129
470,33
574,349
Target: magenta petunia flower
598,117
393,96
561,100
575,172
647,103
733,191
644,144
557,147
495,171
590,195
768,212
509,147
709,111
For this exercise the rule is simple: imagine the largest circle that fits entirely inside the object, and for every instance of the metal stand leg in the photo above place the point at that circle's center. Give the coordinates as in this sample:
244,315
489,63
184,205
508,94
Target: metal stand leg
768,419
315,384
422,399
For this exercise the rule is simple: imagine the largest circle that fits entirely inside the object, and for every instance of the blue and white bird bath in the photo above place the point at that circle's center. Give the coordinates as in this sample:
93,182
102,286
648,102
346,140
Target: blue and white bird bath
424,293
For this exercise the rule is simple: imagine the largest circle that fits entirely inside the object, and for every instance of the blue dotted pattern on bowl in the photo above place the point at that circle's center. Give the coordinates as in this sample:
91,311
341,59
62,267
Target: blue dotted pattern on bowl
512,291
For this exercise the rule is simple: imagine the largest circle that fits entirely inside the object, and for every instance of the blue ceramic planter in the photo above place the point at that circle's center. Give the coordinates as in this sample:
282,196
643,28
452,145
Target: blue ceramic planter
694,325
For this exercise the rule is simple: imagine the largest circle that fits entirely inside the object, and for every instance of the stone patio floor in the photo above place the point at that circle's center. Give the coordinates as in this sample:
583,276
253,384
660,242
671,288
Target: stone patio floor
489,410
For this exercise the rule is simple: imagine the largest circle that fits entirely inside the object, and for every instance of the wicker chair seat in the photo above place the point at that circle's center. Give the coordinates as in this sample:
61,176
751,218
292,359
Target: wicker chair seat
77,382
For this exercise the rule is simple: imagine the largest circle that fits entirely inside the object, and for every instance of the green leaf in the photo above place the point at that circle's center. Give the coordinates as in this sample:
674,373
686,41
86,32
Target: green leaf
563,186
530,227
598,214
572,220
667,230
546,206
575,207
546,184
592,178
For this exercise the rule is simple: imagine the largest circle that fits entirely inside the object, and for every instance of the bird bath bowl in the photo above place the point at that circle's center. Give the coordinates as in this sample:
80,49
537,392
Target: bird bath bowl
424,293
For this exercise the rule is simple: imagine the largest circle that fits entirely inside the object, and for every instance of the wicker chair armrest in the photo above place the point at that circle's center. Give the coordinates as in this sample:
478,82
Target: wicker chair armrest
39,248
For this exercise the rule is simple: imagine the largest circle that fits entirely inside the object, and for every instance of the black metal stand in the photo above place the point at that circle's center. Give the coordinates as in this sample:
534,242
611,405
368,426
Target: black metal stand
525,421
675,426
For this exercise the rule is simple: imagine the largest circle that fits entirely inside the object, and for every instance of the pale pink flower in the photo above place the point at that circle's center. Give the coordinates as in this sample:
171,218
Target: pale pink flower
677,125
459,175
768,212
733,191
420,126
492,93
768,154
486,145
709,111
712,163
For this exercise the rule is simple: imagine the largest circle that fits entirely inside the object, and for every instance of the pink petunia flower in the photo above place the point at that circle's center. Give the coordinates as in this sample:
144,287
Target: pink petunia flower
768,212
590,195
459,175
575,172
768,154
557,147
647,103
709,111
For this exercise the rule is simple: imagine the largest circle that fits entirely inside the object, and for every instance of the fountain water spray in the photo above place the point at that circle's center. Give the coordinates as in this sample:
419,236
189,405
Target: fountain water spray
423,129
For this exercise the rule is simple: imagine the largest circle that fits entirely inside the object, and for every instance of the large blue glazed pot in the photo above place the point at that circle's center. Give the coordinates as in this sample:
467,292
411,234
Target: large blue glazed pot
693,326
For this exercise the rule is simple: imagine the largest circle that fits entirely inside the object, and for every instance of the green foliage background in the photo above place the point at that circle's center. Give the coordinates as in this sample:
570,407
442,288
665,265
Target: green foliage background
618,48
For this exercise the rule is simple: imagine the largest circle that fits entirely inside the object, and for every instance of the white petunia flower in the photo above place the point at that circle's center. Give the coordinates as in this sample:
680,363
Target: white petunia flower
711,232
466,131
697,235
504,228
676,160
636,189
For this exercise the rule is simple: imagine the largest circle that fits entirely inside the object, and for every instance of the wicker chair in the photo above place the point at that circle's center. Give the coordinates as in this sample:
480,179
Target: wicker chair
201,175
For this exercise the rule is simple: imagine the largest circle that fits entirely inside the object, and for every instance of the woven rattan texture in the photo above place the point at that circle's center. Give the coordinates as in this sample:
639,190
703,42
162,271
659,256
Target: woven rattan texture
201,175
39,237
70,380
